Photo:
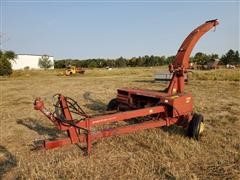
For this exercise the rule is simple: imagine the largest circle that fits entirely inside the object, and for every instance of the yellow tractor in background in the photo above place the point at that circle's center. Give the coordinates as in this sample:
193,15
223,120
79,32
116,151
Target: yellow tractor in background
70,70
73,70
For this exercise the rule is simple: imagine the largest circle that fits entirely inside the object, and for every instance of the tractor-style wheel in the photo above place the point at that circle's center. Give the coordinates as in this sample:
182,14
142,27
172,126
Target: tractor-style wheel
112,105
196,126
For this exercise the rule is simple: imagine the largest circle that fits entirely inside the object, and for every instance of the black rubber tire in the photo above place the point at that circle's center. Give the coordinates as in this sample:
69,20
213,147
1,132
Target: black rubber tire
112,105
194,126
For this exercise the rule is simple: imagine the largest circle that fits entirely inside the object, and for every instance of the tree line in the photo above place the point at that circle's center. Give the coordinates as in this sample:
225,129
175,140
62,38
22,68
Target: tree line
231,57
145,61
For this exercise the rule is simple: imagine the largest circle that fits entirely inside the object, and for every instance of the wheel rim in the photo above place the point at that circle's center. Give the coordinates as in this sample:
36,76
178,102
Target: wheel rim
201,128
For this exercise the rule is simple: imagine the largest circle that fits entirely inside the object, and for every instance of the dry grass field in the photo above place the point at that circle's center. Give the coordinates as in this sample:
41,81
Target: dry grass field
161,153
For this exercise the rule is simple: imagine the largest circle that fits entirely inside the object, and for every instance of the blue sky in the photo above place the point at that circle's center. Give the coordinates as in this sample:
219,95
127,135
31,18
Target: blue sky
110,29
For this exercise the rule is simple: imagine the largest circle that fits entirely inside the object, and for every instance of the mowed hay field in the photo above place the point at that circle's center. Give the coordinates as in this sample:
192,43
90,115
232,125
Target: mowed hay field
160,153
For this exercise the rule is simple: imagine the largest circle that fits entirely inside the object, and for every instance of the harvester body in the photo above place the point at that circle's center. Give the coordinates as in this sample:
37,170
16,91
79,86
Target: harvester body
148,108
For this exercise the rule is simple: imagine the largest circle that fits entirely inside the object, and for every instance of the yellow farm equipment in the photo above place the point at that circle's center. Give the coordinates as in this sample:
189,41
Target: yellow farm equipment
70,70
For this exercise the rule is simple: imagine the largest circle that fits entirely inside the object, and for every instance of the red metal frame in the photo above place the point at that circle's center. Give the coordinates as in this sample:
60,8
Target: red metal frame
88,136
164,108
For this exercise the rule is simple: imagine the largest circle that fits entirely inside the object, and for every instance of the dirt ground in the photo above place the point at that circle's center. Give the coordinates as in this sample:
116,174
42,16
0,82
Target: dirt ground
160,153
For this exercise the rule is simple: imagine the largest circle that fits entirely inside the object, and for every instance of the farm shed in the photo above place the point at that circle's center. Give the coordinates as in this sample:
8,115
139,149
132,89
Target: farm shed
28,61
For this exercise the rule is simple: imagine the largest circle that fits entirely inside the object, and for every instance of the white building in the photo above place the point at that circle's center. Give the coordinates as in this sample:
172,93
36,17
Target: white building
28,61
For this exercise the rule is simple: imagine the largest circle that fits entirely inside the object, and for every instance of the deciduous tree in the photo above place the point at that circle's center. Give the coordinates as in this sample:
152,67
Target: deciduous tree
45,62
5,62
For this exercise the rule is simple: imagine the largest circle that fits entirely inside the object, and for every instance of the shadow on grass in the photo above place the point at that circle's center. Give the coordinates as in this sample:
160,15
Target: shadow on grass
174,129
34,125
145,81
162,82
7,161
164,171
94,104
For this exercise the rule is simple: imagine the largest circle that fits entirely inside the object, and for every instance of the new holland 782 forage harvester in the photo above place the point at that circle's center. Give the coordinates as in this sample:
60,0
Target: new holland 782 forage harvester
158,108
